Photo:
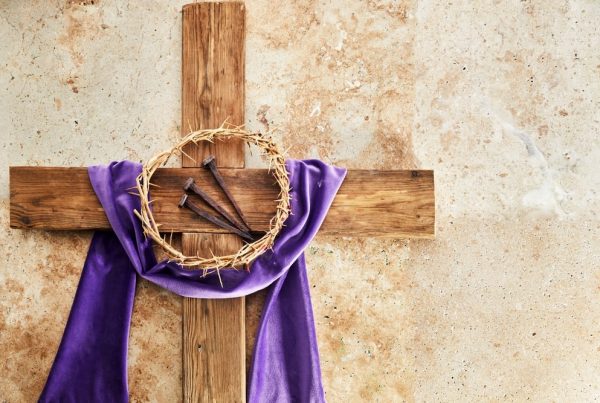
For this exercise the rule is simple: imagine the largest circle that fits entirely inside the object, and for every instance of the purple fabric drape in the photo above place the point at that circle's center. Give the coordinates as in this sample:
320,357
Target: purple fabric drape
91,362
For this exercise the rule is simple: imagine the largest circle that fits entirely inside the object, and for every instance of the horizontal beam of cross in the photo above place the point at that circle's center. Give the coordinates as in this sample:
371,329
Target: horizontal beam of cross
370,203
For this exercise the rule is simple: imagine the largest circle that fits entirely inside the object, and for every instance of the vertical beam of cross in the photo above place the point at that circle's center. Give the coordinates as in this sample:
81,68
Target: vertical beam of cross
213,90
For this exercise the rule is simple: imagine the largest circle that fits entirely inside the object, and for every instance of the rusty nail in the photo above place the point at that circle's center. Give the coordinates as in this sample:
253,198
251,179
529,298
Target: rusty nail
210,164
185,202
190,185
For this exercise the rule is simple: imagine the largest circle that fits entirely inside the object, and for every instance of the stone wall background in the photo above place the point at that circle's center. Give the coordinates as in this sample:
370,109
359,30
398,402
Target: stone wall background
501,98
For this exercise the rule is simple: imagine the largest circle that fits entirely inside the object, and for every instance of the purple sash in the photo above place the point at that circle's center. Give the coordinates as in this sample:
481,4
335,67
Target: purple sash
91,362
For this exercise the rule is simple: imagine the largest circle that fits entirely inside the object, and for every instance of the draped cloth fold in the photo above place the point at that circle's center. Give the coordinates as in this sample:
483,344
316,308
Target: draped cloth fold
91,362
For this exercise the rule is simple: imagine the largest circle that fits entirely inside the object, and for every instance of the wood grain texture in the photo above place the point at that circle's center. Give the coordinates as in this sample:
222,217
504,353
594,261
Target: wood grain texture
213,77
214,349
396,204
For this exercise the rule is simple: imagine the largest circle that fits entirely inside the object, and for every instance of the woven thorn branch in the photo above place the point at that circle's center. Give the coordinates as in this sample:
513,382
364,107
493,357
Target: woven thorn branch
250,251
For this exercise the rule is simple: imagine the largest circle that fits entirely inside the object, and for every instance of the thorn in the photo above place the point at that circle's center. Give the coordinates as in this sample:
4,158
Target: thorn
187,155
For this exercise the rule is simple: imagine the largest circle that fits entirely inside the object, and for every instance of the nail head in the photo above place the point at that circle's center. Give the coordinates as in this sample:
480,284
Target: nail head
208,160
183,200
188,183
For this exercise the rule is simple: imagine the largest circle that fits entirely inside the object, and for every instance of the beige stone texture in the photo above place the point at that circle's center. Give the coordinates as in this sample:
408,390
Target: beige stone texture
501,98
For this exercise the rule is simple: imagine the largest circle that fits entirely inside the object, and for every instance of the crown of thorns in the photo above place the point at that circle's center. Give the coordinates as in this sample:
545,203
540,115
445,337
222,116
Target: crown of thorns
250,251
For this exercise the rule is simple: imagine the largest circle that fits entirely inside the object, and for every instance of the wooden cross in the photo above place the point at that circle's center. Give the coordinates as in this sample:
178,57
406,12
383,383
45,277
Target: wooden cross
369,203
